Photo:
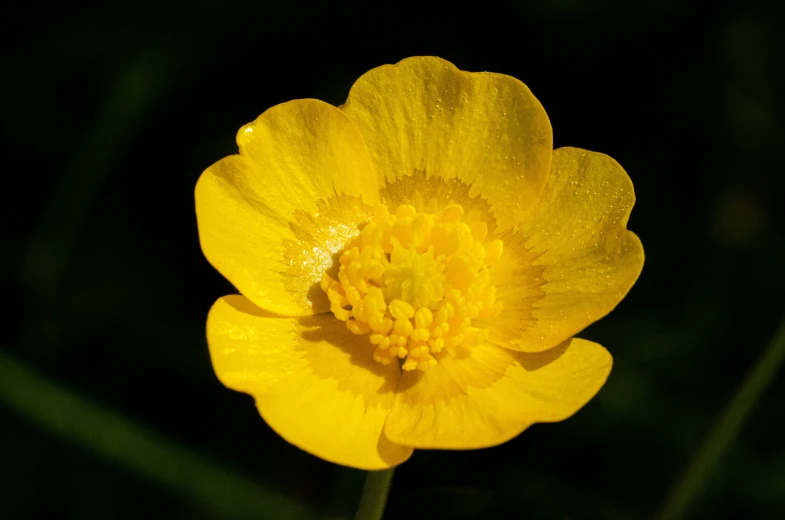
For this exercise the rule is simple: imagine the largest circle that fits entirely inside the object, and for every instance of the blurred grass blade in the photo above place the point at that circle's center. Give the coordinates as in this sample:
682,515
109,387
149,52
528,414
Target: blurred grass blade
144,82
725,430
120,440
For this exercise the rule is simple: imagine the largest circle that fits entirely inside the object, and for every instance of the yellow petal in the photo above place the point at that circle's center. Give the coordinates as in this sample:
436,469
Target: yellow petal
315,383
572,260
493,394
487,130
297,161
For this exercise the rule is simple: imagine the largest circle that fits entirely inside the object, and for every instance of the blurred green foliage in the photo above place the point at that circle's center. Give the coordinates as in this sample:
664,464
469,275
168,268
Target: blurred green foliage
109,405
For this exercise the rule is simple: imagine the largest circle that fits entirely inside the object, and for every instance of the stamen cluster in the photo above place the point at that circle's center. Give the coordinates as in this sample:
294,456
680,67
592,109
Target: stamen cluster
414,282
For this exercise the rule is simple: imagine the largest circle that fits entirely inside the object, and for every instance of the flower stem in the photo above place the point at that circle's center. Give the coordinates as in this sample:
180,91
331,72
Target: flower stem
377,487
725,429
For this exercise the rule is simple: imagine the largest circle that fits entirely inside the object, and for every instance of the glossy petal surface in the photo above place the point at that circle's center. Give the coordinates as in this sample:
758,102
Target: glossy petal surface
487,130
314,382
572,260
295,161
493,394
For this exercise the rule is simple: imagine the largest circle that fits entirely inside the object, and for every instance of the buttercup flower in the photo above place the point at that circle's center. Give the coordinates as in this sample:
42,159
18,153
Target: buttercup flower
413,265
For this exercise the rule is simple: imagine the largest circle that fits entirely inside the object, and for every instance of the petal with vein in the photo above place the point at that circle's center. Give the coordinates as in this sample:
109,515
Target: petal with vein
297,157
572,260
485,129
493,394
315,383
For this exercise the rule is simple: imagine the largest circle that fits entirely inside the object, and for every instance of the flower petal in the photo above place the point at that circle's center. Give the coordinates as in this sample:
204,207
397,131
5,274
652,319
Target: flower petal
297,158
572,260
493,394
485,129
315,383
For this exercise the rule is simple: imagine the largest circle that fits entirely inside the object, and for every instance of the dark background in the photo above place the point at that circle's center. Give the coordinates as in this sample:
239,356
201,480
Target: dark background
108,404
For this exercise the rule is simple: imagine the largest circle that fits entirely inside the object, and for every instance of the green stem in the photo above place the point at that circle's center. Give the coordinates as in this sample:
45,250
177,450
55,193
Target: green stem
377,487
725,429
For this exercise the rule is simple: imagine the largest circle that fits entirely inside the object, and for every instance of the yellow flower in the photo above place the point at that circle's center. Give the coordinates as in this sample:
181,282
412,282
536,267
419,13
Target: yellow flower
413,265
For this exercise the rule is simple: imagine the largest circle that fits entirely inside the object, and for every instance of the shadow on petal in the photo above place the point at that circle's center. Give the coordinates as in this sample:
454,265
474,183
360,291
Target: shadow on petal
324,328
242,304
390,452
411,379
537,360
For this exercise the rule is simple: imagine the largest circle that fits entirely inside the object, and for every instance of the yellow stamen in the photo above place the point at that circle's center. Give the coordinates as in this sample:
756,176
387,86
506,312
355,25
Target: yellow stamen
414,282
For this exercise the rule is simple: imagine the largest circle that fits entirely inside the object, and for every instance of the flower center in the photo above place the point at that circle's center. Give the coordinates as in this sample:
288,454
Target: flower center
414,282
